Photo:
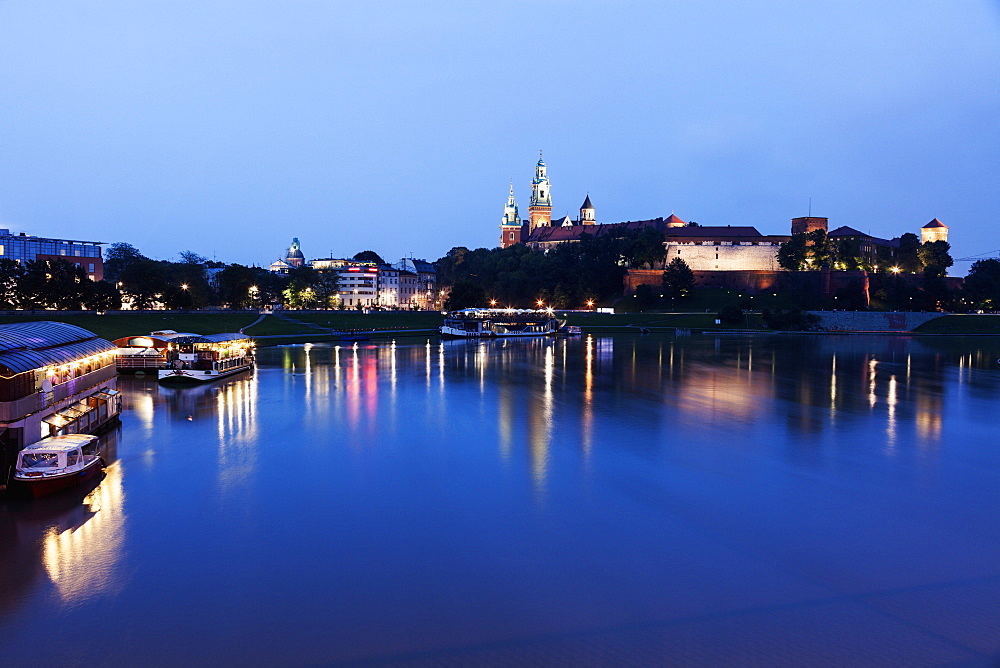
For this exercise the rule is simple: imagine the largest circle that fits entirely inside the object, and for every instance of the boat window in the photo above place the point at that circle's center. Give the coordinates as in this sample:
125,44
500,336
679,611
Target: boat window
72,458
38,460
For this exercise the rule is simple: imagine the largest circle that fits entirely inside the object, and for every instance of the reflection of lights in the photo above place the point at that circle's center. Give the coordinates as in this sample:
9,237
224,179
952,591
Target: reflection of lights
891,401
84,561
871,382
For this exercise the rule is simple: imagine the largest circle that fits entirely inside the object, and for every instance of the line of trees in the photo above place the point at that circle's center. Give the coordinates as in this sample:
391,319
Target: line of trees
571,275
132,278
815,250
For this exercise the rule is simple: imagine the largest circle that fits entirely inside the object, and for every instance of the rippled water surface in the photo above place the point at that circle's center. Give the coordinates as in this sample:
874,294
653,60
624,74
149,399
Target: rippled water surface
608,500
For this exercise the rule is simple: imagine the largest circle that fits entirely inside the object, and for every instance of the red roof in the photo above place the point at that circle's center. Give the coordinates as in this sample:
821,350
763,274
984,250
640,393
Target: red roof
935,223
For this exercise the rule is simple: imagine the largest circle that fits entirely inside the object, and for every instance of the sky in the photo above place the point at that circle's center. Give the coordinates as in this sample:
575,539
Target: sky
227,128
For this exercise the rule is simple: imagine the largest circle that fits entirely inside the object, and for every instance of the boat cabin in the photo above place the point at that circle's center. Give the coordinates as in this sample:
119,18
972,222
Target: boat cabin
59,455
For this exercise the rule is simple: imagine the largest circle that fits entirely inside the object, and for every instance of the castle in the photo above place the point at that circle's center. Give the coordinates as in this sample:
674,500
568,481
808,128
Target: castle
704,248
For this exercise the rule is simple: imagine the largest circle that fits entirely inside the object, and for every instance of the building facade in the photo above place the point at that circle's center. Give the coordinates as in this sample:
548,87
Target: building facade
23,248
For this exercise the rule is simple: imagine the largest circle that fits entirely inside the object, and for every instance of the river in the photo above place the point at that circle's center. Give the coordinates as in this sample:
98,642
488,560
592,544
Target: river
601,500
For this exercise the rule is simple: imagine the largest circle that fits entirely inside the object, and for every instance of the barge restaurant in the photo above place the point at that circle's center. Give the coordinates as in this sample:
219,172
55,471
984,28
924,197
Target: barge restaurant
55,379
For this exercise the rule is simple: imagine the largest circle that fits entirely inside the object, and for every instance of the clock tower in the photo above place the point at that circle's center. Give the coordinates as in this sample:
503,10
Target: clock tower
540,210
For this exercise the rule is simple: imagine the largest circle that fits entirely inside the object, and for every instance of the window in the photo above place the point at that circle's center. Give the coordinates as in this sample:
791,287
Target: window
90,267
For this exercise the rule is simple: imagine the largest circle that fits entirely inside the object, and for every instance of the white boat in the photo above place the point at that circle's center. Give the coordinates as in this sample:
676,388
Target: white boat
57,462
206,357
496,322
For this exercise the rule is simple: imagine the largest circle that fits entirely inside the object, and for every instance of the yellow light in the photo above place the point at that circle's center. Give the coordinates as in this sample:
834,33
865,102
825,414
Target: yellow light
540,303
895,270
184,286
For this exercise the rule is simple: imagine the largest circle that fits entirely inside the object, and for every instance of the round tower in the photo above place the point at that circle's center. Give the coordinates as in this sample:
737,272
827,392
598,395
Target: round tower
934,231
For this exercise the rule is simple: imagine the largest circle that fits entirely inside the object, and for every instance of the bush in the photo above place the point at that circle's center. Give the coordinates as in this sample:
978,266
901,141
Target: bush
731,314
795,320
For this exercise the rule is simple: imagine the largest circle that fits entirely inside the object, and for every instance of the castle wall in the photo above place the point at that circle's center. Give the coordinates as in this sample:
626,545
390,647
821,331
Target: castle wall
723,257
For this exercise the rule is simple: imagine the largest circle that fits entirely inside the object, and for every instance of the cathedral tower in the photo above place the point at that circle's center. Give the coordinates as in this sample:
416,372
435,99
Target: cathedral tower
510,225
540,210
587,214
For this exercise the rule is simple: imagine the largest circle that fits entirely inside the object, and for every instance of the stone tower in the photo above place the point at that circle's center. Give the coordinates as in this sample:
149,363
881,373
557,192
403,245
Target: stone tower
934,231
807,224
587,214
540,210
510,224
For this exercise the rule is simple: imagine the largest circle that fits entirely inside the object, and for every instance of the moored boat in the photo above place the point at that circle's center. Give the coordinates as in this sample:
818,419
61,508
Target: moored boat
495,322
57,462
194,357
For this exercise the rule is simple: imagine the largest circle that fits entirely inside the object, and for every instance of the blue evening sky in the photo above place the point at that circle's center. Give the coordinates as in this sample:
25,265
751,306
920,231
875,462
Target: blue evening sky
227,128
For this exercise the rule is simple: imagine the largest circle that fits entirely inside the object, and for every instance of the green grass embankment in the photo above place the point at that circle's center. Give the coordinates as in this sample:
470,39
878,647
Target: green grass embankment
959,324
115,326
607,322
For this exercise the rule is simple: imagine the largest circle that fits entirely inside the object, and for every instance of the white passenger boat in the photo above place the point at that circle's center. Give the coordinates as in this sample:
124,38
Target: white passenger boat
57,462
207,357
495,322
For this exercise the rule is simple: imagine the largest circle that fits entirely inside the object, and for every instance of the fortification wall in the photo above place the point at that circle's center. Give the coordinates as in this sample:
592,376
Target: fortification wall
873,321
721,257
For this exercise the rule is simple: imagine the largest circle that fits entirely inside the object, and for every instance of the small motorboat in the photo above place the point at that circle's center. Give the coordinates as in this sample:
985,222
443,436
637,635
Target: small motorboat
57,462
570,330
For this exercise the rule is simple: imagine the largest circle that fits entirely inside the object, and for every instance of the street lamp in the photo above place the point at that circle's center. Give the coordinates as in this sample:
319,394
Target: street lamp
540,303
493,302
184,286
590,303
895,270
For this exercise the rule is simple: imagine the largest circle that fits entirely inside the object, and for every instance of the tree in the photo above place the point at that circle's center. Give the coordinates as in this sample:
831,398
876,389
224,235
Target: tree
101,296
820,247
849,256
644,247
119,257
369,256
935,257
327,287
190,257
11,272
143,282
982,285
465,294
908,256
678,279
792,254
235,283
53,284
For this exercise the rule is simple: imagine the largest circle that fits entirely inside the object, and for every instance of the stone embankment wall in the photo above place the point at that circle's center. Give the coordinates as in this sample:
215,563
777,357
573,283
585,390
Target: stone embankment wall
872,321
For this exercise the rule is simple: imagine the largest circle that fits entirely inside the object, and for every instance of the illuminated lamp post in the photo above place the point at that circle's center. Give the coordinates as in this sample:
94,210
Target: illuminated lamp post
590,304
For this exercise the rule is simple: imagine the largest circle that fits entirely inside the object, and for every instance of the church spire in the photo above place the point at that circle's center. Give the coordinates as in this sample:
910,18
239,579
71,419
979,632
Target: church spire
510,213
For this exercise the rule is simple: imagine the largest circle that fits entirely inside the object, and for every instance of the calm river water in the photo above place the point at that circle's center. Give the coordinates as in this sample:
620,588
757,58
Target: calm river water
605,500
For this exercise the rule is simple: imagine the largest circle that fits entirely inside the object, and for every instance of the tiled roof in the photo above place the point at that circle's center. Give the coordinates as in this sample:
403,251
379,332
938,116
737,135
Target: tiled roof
557,234
845,231
935,223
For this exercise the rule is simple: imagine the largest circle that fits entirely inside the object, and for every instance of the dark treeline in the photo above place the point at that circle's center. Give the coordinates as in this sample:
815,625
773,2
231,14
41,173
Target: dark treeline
568,276
134,279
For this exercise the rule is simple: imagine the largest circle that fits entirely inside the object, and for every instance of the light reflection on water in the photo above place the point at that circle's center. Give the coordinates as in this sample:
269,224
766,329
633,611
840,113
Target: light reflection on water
425,496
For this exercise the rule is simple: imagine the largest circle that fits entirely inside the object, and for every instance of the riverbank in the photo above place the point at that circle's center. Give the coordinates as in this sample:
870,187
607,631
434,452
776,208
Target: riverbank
328,325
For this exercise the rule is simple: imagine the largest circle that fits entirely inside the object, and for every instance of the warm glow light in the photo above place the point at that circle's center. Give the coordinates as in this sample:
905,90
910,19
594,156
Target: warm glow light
540,303
184,286
895,270
493,302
